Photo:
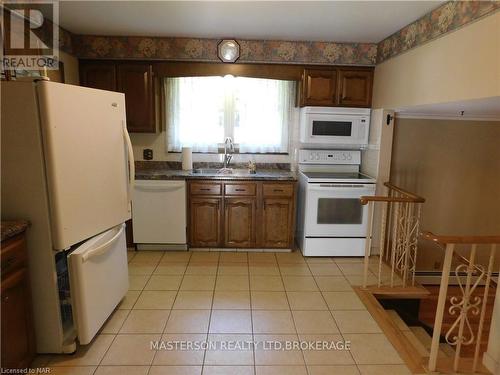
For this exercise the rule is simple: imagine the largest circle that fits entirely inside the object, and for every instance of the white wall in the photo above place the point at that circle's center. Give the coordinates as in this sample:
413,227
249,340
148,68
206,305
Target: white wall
462,65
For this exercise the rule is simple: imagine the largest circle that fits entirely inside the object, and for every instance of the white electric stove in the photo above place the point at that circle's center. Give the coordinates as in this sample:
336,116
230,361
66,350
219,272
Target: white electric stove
330,218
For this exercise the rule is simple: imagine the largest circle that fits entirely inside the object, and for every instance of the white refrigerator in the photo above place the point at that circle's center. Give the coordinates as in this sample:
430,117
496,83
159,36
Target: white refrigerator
67,167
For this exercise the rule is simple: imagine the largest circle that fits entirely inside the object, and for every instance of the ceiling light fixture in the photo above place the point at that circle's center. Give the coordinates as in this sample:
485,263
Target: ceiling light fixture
228,50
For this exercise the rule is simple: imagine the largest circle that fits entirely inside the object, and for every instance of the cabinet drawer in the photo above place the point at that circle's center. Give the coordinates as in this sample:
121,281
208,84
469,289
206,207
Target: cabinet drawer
13,254
205,188
277,190
240,189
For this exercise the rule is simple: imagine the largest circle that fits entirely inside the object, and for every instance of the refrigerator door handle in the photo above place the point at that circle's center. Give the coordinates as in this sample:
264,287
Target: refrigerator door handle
131,161
105,246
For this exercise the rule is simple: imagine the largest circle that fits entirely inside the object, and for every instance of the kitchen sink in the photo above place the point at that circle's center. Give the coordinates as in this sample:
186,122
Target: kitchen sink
222,171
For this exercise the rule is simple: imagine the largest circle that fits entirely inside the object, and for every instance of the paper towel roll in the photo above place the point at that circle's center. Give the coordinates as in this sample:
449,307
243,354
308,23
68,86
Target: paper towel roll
187,158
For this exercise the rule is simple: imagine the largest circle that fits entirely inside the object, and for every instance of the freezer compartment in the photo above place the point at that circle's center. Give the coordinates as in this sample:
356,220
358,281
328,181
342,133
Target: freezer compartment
98,273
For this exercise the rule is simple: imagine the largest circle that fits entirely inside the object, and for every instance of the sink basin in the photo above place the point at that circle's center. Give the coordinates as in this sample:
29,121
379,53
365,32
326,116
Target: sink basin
222,171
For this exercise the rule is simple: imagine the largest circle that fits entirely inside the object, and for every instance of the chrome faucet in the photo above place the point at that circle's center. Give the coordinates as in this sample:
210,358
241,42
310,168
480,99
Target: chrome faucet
228,143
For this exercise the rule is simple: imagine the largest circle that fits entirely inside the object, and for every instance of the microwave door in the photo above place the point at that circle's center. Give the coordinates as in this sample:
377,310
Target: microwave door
336,211
341,130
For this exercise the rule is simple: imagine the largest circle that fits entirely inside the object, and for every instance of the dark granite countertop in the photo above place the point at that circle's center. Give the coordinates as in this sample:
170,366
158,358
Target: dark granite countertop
161,170
11,228
173,174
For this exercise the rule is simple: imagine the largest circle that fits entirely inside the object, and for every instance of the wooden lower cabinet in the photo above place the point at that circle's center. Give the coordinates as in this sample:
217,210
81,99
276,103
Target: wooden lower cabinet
277,222
18,338
241,214
205,221
239,222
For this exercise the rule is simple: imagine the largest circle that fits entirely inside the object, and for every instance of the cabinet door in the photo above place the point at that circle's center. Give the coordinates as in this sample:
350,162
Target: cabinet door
319,87
18,349
355,88
277,222
136,82
98,75
239,222
205,222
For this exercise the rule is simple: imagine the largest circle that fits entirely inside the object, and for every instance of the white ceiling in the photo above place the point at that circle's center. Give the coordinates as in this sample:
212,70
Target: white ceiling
484,108
340,21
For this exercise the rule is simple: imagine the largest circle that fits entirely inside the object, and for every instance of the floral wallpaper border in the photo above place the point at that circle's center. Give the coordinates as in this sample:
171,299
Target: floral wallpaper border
255,51
445,18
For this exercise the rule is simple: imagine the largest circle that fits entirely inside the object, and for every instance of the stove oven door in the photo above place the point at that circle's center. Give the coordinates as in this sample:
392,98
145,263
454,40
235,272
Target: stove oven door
334,210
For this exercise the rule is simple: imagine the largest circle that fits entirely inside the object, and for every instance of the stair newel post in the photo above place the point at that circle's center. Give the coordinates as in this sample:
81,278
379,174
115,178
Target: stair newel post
483,307
443,291
368,243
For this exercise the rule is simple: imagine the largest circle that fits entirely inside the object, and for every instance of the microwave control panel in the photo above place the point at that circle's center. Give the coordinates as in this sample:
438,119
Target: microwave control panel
329,157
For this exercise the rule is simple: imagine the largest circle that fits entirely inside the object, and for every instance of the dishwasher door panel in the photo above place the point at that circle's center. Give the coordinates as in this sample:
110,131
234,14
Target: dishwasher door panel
159,212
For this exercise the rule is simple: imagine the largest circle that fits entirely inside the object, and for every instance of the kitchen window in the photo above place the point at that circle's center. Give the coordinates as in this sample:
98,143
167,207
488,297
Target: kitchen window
202,111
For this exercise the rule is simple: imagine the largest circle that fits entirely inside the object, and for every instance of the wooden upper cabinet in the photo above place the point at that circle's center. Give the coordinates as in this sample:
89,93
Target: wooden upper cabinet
136,82
319,87
337,86
98,76
355,88
239,222
205,221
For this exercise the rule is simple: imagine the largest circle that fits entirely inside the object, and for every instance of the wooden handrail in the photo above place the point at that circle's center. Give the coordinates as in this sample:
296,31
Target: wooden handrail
416,198
471,240
381,198
408,196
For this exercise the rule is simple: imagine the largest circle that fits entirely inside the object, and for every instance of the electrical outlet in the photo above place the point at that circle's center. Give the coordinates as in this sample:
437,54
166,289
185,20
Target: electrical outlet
147,154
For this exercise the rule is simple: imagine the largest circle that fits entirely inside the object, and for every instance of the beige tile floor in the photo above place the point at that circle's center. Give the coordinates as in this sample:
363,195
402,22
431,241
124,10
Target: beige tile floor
236,297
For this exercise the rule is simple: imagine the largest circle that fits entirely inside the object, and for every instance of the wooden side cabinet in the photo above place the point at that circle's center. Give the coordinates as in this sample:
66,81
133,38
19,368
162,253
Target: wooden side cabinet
241,214
135,80
336,87
239,222
205,215
277,222
18,338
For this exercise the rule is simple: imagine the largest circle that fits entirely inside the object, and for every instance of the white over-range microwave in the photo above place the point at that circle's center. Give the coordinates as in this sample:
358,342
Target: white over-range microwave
342,128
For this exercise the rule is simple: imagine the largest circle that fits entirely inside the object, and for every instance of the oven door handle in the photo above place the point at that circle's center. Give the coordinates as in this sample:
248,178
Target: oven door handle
332,187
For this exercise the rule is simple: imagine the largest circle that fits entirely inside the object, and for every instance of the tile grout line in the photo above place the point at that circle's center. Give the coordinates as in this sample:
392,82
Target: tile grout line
211,310
171,307
293,319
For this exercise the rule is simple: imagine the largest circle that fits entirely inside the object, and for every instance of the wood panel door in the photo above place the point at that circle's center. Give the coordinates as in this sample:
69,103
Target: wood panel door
18,348
355,88
319,87
277,222
239,222
136,82
205,221
98,75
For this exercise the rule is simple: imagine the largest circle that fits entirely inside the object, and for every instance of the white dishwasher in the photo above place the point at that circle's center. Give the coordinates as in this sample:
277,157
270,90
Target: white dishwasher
159,214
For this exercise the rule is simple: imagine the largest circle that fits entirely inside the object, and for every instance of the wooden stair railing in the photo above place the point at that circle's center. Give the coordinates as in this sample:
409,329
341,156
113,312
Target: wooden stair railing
461,333
399,229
